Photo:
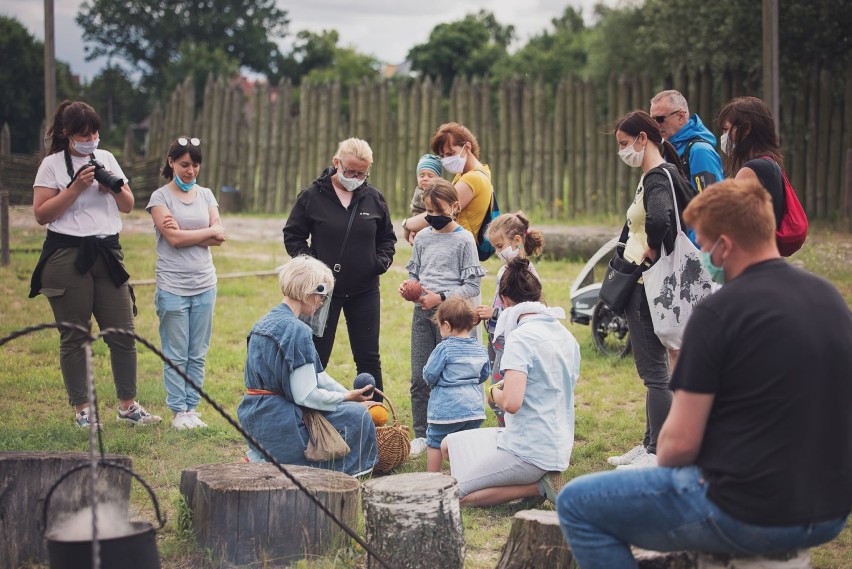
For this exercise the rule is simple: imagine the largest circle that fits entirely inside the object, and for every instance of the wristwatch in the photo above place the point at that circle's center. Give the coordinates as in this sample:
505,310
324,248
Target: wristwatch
443,296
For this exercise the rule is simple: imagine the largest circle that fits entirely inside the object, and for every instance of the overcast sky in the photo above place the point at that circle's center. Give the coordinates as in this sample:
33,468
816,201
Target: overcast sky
386,29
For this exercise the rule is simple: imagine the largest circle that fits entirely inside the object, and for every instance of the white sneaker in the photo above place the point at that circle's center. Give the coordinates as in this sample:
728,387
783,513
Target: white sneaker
629,457
418,447
183,421
648,460
196,422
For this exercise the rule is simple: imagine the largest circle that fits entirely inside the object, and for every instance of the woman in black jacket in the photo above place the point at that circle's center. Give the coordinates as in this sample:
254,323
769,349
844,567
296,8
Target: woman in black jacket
651,223
350,230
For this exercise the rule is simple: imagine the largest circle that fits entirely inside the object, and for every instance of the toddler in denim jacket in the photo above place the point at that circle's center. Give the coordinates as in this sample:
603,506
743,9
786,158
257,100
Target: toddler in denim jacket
455,371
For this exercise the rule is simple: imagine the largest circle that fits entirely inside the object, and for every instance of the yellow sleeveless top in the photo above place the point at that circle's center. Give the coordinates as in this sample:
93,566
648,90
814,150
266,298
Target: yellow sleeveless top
479,181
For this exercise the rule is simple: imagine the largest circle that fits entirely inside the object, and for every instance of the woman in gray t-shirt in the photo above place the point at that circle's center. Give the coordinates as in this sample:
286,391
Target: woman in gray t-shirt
187,224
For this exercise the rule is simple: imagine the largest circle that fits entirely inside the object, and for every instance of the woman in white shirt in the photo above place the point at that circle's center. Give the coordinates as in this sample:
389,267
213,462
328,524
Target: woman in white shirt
81,269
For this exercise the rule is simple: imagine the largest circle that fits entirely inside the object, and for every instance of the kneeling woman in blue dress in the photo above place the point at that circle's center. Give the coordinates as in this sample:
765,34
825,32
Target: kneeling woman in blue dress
283,373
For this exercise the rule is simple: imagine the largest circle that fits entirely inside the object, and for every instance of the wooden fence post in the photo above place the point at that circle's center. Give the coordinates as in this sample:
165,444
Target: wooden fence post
4,228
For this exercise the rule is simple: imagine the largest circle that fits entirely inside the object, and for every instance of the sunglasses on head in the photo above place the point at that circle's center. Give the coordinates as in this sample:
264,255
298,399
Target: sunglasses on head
184,141
662,118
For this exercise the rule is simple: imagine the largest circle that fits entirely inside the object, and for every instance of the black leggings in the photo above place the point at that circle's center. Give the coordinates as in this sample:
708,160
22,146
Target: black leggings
363,316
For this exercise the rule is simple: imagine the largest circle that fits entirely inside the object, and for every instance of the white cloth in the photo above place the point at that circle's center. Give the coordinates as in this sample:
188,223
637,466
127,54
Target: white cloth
508,319
93,212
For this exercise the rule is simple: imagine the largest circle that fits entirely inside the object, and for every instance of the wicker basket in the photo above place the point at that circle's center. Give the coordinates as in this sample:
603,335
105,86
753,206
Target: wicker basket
394,442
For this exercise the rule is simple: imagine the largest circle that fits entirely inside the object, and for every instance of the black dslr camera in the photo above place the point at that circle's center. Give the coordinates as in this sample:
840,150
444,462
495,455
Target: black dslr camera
103,176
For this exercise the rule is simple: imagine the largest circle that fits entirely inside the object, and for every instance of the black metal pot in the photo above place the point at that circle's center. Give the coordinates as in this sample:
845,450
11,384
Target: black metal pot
135,550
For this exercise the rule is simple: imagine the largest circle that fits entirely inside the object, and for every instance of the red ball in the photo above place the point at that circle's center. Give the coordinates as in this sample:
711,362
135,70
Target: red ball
411,290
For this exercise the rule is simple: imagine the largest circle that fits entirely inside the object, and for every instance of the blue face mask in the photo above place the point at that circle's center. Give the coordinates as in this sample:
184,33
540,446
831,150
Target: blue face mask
184,187
716,273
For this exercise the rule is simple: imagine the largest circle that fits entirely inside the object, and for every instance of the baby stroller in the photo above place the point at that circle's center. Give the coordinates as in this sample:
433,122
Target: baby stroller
609,330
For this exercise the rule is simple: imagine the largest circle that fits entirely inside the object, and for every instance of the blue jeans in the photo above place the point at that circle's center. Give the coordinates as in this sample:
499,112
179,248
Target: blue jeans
664,509
186,324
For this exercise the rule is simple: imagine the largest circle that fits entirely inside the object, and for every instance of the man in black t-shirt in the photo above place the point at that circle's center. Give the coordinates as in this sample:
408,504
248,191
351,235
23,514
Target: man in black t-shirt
756,453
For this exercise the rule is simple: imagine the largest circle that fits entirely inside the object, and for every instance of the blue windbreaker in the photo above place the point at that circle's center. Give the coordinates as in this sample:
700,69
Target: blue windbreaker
705,165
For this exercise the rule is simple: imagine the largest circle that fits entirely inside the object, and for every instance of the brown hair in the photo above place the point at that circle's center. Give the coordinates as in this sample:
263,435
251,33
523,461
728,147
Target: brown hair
637,122
752,133
71,117
441,191
511,224
457,135
518,283
740,209
458,312
176,150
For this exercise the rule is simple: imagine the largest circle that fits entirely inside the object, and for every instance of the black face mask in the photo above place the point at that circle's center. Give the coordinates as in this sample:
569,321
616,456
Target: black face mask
438,221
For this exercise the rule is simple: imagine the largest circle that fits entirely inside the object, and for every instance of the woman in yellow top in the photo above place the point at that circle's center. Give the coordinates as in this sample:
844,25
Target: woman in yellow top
459,152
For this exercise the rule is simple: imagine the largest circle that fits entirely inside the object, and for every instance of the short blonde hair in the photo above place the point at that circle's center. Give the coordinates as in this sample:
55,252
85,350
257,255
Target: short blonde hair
740,209
355,148
302,276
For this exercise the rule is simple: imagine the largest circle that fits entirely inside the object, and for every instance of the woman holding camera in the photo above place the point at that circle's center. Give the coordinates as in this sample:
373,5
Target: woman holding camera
186,223
78,195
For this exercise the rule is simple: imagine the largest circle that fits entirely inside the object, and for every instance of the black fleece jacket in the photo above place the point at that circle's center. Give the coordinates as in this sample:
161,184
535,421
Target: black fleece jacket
319,215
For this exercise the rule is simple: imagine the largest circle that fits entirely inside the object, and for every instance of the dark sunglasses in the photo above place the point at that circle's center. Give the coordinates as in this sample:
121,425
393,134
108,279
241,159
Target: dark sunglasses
662,118
184,141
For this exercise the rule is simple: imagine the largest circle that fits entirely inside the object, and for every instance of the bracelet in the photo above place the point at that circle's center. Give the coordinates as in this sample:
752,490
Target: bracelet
405,227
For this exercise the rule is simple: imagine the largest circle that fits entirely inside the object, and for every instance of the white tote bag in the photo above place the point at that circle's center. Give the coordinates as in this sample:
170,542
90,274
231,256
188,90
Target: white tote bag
675,284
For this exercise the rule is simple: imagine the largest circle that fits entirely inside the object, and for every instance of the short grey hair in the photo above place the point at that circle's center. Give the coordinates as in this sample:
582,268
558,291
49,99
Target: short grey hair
676,98
302,276
355,148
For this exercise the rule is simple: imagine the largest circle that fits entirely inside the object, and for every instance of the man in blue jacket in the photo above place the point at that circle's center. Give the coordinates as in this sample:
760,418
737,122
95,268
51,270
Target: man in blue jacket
695,144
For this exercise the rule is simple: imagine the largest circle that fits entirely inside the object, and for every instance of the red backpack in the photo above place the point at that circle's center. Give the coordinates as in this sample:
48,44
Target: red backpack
793,230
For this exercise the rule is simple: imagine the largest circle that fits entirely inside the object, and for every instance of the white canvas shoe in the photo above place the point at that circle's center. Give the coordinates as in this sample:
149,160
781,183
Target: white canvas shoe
183,421
648,460
196,422
629,457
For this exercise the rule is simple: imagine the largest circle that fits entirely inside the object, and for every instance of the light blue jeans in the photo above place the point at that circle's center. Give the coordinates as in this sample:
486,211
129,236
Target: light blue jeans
664,509
186,324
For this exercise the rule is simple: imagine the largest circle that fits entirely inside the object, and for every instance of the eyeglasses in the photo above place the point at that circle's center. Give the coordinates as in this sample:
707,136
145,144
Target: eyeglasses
184,141
662,118
353,173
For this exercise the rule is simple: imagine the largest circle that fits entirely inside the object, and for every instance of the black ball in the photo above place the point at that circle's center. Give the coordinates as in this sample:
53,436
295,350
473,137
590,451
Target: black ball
363,380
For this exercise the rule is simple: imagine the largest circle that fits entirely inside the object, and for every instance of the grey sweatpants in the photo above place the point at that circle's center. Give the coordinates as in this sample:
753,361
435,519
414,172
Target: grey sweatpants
424,337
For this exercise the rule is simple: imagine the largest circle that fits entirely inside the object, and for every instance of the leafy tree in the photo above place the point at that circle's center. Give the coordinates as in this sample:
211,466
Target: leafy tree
551,55
198,61
118,102
22,85
471,46
317,57
149,34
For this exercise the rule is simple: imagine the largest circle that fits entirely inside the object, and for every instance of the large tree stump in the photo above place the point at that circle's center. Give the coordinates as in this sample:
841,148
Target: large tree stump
26,478
250,512
535,541
413,521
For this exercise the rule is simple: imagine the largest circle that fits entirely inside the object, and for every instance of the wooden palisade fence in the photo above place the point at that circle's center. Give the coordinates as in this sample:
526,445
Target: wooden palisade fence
550,150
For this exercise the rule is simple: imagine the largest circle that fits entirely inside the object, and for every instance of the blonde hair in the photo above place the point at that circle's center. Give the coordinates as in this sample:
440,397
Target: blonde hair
737,208
511,224
356,148
302,276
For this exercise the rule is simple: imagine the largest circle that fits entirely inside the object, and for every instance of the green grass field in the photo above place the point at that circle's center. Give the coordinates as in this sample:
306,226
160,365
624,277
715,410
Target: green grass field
609,396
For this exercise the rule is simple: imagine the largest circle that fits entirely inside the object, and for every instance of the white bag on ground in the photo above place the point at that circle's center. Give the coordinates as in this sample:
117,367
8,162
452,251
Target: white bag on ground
675,284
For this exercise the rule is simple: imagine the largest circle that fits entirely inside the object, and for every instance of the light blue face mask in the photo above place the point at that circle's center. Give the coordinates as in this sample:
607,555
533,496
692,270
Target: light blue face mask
184,187
716,273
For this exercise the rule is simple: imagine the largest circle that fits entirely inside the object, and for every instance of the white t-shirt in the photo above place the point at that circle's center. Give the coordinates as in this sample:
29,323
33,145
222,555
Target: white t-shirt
93,212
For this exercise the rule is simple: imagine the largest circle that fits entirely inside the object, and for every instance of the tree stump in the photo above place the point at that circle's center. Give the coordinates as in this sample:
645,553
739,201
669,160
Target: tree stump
250,512
535,541
413,521
26,478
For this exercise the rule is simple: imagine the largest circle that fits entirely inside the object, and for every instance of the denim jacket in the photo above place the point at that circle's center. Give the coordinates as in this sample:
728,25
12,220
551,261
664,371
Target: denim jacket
454,371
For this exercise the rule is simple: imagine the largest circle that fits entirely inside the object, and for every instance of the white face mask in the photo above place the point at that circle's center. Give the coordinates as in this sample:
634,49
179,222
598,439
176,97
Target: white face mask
454,164
630,156
726,145
508,253
349,184
85,148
